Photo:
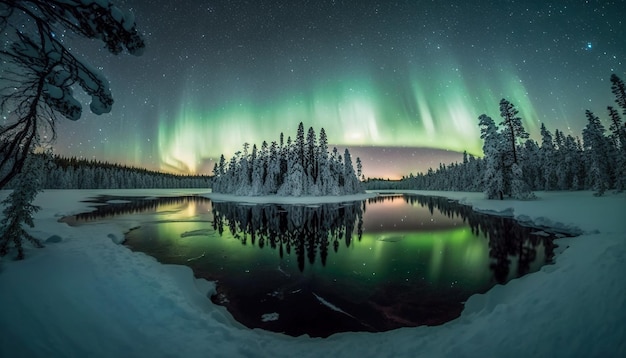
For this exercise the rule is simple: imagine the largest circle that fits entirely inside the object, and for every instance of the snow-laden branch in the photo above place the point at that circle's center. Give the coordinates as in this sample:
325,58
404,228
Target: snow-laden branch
40,73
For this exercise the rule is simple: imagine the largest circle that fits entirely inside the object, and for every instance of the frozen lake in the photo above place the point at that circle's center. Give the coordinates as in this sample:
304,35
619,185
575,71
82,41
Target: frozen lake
374,265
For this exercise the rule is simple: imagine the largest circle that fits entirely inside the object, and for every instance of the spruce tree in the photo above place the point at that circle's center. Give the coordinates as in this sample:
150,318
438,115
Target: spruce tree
493,177
548,155
618,148
300,144
597,154
351,184
619,90
323,166
513,130
513,133
310,160
19,209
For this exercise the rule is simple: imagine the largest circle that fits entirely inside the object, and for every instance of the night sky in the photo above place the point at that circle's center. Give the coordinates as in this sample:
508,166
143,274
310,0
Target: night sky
384,78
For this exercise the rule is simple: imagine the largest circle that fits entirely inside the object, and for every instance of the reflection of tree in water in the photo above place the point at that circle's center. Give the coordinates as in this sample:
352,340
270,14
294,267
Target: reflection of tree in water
507,238
305,229
134,205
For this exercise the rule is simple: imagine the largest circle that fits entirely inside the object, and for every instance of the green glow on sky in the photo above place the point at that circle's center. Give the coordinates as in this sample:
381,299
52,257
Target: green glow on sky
402,83
353,111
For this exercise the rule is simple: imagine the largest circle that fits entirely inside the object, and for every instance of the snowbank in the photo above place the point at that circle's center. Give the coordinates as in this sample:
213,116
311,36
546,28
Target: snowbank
88,296
277,199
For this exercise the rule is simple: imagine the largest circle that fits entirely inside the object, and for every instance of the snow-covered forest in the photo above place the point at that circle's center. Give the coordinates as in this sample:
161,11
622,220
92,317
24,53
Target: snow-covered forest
514,165
56,172
295,168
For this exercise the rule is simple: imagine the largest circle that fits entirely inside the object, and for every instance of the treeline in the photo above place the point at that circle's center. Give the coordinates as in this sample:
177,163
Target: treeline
514,165
295,168
57,172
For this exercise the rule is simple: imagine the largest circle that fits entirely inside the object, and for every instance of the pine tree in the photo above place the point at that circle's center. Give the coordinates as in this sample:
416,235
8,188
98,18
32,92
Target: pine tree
311,163
513,131
547,159
493,177
323,166
273,170
519,187
300,144
572,159
19,209
351,184
618,148
560,164
531,164
597,154
619,90
256,183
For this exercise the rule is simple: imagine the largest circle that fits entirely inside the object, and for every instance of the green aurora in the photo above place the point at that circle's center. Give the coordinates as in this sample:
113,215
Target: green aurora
354,112
400,83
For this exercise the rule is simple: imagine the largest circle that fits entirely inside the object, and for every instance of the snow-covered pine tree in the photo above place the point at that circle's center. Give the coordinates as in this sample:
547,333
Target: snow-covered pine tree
265,159
19,209
282,158
232,173
618,141
218,174
596,154
273,170
244,175
323,166
351,183
493,177
573,162
519,188
513,133
299,144
531,164
562,180
548,159
311,163
256,183
293,184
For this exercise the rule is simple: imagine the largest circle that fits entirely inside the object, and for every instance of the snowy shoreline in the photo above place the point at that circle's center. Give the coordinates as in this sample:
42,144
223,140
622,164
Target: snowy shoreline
292,200
88,296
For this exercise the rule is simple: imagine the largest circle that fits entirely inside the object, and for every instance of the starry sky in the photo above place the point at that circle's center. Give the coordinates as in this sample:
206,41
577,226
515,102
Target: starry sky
400,83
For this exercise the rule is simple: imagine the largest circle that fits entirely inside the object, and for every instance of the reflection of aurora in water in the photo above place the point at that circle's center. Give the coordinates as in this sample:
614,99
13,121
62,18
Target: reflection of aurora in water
389,262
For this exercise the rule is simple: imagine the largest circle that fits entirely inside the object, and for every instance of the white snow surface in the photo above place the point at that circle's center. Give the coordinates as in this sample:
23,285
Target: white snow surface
87,296
292,200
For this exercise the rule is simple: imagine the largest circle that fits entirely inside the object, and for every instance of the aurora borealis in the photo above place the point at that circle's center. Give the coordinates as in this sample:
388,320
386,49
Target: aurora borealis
387,78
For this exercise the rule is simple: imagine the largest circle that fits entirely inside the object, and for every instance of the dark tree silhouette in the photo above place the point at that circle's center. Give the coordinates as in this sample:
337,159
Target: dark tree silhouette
513,131
619,90
39,71
19,209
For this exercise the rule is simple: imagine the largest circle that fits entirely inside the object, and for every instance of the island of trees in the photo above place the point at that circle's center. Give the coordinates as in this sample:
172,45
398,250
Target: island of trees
300,167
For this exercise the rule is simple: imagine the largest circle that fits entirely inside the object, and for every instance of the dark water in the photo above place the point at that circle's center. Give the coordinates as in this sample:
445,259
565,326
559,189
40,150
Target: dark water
388,262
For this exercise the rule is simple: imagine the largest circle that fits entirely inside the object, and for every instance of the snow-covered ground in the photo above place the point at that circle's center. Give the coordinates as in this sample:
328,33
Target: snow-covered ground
85,295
